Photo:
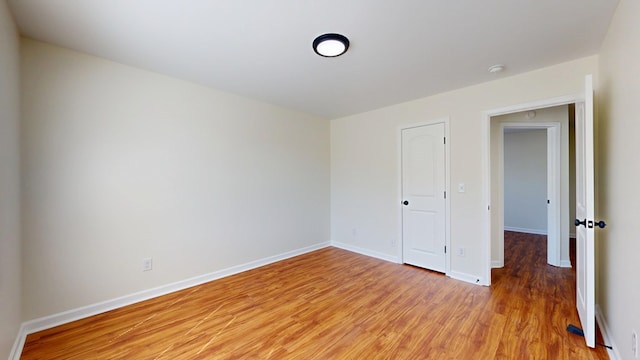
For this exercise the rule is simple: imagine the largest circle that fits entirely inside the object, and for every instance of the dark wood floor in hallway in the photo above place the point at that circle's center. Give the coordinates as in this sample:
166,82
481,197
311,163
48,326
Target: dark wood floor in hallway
334,304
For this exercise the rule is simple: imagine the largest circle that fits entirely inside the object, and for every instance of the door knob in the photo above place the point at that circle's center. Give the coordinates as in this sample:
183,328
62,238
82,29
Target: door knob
601,224
405,202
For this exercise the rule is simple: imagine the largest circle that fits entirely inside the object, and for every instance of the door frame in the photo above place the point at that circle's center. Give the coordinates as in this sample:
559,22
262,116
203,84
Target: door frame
447,200
553,185
486,162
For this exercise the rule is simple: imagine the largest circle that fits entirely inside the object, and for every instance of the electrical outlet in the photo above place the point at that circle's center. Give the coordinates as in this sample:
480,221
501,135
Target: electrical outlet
461,188
634,343
461,251
147,264
393,243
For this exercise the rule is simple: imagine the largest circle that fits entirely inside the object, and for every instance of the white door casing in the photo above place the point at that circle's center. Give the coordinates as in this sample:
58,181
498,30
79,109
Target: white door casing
585,234
423,195
554,233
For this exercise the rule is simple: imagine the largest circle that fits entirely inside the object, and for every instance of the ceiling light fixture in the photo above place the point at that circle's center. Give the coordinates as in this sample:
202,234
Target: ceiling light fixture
496,68
330,45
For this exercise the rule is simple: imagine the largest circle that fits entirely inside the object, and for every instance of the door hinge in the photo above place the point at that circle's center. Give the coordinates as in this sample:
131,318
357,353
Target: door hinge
445,140
548,201
445,194
445,249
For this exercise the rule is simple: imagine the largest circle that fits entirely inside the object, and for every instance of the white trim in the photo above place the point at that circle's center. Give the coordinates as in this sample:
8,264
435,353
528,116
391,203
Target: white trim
565,264
447,175
614,354
468,278
399,243
497,264
50,321
447,201
366,252
526,231
486,196
18,345
554,193
534,105
486,159
499,194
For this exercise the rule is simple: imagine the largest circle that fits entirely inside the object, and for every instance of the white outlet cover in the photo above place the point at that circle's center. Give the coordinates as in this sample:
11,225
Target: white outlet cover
461,188
147,264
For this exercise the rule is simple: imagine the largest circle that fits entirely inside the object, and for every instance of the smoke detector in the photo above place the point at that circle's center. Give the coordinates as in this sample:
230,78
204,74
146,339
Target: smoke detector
496,68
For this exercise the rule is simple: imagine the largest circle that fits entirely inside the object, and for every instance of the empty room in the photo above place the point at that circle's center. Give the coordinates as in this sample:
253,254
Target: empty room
291,180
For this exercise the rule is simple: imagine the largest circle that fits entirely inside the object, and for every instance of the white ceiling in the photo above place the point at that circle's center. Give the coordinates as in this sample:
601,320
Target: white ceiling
400,49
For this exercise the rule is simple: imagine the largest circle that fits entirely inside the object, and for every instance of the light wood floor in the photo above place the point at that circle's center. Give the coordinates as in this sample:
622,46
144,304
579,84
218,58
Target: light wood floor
334,304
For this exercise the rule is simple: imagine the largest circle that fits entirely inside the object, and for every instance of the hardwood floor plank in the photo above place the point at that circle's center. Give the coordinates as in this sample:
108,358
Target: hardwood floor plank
334,304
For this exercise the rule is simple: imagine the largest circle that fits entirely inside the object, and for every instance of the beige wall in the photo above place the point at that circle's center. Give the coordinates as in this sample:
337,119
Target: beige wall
122,164
10,257
618,172
365,189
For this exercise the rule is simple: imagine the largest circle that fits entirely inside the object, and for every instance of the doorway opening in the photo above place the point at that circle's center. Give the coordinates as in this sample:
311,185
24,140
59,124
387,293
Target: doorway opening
530,168
554,118
584,201
529,183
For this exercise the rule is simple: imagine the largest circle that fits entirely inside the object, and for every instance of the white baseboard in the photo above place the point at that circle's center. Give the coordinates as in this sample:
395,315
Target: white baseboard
565,263
614,354
496,264
48,322
16,350
366,252
454,275
526,231
478,280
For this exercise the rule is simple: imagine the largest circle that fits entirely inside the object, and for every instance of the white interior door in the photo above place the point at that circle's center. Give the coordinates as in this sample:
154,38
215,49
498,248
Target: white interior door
585,232
423,192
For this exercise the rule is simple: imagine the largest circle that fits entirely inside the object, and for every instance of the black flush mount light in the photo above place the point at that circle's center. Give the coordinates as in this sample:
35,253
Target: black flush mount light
330,45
